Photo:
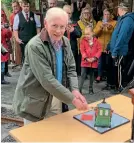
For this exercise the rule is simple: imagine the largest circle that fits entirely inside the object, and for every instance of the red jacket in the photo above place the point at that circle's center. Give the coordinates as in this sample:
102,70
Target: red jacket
6,34
89,52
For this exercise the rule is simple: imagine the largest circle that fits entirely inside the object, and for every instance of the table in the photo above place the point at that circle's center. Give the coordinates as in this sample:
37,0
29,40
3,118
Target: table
63,128
131,91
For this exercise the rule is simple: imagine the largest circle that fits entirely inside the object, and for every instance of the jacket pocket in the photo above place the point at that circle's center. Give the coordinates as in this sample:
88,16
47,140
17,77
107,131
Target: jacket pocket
34,106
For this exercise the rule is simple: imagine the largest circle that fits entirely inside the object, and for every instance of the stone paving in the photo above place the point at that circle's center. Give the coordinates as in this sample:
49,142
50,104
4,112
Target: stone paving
7,93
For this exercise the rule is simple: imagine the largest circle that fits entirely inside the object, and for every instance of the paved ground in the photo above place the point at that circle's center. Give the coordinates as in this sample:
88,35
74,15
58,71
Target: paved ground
7,93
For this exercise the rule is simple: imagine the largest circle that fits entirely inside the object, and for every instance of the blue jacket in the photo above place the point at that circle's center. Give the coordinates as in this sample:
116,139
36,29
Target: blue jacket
121,35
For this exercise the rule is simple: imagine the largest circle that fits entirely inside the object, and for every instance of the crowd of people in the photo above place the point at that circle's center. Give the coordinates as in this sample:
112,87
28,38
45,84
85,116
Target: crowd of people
76,41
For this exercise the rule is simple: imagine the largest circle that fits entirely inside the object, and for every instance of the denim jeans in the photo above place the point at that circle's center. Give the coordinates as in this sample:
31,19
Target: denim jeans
2,67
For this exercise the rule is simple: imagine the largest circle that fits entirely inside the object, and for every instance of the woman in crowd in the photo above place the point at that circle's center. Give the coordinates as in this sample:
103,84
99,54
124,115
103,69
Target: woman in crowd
90,49
86,19
103,31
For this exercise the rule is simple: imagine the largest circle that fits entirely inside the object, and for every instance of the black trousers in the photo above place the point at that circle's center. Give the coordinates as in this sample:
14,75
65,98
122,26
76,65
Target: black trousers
102,65
6,67
75,54
117,71
79,64
23,51
127,61
64,107
112,72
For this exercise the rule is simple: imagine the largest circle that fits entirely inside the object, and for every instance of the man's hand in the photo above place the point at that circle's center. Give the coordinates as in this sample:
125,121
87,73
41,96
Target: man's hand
19,41
79,101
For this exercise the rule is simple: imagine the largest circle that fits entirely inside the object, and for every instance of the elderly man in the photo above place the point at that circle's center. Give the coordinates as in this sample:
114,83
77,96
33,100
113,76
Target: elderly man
120,44
48,70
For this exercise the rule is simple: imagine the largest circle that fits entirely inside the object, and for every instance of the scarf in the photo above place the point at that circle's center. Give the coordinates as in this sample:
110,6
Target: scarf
87,22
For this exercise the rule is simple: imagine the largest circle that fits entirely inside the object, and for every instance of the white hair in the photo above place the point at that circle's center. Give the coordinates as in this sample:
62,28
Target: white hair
56,12
67,6
125,9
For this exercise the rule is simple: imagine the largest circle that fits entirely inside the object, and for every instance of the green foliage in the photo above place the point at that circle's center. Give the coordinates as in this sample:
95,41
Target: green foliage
7,4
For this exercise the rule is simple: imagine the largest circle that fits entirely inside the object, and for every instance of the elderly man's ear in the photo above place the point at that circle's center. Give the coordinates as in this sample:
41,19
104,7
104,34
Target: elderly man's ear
45,23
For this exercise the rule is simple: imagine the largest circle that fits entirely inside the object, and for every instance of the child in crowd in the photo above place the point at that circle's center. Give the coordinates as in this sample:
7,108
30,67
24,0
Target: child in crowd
6,34
91,51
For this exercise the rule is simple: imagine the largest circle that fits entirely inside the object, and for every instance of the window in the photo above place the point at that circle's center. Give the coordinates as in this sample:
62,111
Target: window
101,112
106,112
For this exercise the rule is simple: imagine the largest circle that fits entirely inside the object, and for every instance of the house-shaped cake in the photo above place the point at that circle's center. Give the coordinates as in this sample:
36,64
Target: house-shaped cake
103,114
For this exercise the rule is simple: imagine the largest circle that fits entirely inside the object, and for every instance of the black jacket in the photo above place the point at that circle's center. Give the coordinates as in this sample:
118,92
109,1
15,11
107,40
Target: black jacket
73,37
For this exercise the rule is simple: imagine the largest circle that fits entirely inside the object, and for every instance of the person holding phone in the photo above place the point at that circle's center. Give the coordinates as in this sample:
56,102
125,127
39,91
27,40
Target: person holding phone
103,31
73,32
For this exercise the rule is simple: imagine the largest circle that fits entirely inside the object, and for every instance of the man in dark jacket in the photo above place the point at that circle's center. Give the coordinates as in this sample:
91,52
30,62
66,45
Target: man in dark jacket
48,75
72,33
26,26
77,8
119,44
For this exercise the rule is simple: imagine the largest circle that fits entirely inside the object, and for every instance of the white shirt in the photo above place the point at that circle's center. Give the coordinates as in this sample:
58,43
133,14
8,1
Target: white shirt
16,20
80,4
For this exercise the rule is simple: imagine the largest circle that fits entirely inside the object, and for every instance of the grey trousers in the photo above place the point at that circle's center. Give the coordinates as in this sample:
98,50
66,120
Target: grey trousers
84,72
